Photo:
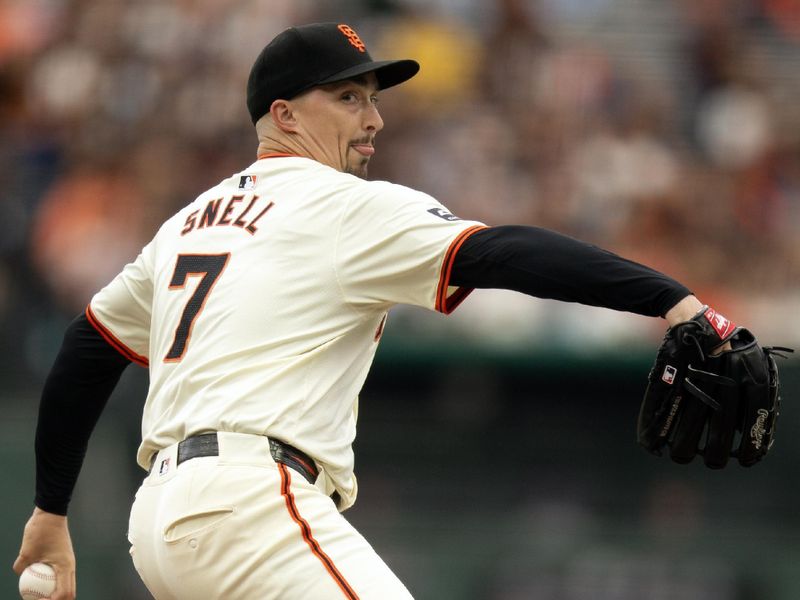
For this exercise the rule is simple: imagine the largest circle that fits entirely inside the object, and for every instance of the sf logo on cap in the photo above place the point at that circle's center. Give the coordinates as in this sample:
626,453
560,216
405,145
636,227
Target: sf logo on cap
352,36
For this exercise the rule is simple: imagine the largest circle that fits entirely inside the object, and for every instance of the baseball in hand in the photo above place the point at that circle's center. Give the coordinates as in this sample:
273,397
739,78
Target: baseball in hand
37,581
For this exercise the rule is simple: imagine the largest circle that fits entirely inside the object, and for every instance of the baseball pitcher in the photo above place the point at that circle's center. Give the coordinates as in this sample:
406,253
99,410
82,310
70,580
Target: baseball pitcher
257,310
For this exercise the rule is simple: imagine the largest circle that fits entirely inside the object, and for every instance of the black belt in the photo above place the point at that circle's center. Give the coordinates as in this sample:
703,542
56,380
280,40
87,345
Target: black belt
206,444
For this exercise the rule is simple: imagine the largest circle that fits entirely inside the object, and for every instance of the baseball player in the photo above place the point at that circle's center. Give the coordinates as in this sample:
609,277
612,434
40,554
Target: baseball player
257,310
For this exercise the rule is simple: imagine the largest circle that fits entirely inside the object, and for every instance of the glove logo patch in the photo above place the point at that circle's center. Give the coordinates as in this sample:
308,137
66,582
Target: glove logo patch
721,325
669,375
758,430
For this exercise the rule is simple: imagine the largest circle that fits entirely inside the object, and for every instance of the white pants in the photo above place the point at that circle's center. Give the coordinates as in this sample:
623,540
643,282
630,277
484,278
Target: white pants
241,526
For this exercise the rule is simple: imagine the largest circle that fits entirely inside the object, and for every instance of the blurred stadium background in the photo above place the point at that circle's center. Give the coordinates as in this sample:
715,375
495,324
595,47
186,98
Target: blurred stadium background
496,449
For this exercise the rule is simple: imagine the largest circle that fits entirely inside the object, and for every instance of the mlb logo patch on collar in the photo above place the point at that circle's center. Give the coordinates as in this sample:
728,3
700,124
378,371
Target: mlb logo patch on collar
247,182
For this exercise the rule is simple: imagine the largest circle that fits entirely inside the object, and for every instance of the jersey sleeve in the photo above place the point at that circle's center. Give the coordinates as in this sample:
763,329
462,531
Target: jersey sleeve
396,245
121,311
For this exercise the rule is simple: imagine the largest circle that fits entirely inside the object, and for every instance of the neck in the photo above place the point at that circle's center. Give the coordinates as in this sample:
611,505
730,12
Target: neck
276,146
276,142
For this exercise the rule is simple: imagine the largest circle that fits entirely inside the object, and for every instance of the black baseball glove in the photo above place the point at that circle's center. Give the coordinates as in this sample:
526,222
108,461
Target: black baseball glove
697,401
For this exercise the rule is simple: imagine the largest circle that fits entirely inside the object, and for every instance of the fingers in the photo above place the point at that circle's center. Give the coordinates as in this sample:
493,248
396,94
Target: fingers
689,430
721,429
19,565
65,584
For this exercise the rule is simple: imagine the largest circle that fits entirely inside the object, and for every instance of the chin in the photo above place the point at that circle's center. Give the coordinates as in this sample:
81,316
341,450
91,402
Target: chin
359,170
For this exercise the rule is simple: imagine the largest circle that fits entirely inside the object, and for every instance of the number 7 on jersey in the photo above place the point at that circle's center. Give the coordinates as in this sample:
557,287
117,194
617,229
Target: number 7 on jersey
207,266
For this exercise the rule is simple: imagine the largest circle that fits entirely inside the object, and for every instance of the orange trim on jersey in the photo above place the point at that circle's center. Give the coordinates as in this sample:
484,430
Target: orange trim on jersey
444,303
277,155
114,341
305,530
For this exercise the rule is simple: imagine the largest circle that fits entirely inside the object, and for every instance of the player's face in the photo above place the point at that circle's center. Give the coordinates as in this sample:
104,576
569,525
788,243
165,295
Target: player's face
339,122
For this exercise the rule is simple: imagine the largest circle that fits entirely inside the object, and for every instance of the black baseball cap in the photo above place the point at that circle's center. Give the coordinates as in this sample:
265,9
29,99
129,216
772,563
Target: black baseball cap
302,57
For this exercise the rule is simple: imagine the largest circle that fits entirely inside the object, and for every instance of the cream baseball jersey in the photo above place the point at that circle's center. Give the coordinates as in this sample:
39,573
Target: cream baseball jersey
258,307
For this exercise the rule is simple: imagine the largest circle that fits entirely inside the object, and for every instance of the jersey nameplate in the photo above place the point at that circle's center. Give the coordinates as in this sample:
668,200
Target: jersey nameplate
236,212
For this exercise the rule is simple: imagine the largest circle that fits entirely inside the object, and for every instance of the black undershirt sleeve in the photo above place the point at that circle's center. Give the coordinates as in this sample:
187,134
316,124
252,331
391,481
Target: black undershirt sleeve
546,264
75,393
534,261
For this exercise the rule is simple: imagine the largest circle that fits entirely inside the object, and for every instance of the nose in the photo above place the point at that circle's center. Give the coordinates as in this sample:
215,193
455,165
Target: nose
372,119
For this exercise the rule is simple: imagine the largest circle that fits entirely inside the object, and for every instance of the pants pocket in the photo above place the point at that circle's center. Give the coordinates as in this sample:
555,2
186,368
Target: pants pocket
196,523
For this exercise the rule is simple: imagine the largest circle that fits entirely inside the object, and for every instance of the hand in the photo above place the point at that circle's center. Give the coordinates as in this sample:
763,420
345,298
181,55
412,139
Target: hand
709,381
46,539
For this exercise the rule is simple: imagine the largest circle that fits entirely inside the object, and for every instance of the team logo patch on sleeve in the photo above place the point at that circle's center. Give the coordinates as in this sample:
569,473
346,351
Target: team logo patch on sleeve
443,214
247,182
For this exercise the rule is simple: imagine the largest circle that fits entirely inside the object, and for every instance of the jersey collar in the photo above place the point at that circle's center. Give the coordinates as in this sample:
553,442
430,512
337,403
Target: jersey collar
278,155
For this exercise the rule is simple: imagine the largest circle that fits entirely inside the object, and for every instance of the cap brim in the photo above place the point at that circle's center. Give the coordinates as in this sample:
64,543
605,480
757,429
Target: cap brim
388,72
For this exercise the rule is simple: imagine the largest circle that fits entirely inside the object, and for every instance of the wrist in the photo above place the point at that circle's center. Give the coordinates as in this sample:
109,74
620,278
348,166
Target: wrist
684,310
42,514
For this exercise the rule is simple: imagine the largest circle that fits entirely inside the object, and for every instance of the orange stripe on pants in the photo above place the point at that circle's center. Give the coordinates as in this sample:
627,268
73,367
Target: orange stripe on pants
305,530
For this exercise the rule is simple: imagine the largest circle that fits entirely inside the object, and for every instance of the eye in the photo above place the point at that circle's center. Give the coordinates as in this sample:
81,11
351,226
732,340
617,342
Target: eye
349,97
375,100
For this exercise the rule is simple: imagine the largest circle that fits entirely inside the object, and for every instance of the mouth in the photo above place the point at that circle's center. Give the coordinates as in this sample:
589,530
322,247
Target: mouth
365,149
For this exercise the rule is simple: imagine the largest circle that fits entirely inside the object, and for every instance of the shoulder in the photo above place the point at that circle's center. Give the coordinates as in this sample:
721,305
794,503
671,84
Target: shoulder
400,201
386,193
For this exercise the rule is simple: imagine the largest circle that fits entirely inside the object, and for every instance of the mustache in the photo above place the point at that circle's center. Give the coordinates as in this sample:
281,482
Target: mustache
366,140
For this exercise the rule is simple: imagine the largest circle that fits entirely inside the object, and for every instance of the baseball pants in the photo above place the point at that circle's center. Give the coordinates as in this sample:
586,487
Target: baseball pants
238,525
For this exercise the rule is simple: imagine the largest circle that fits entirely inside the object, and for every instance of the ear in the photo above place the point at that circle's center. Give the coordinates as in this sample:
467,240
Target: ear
283,116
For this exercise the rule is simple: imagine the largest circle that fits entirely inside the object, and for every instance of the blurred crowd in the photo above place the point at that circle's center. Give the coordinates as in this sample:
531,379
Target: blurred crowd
667,131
